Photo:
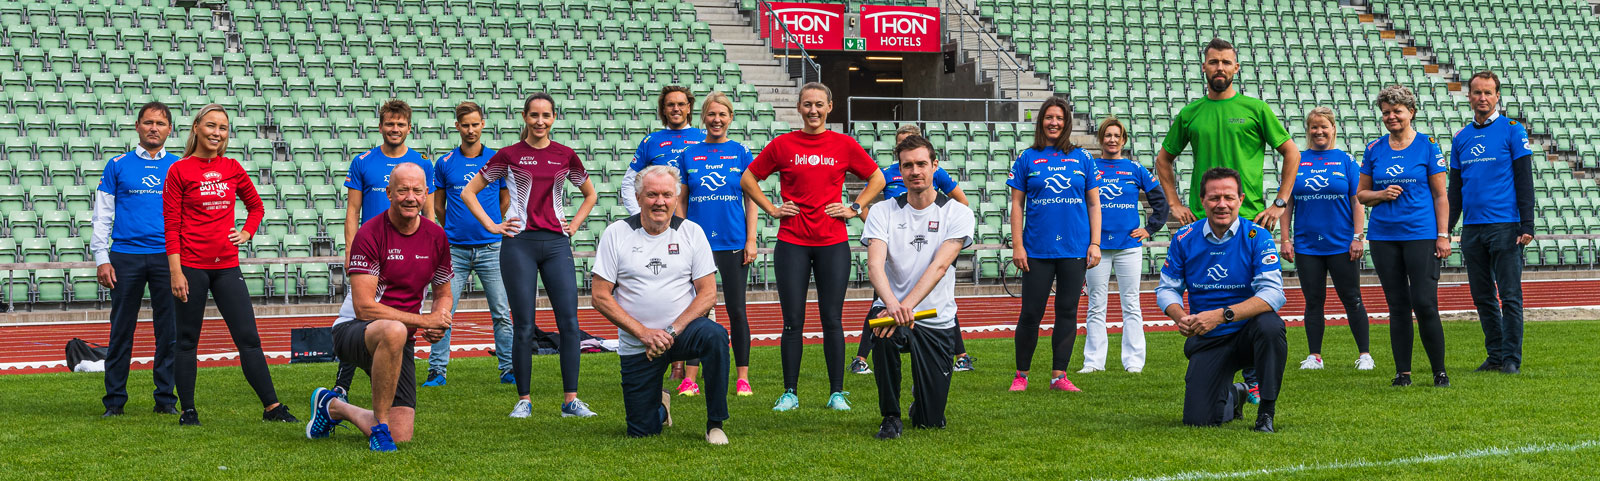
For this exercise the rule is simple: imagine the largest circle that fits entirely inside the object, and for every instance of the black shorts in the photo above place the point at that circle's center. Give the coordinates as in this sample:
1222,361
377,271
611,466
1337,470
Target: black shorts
350,345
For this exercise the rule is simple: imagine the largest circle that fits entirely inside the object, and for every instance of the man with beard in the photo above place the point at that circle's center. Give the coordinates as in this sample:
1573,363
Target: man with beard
675,107
1227,129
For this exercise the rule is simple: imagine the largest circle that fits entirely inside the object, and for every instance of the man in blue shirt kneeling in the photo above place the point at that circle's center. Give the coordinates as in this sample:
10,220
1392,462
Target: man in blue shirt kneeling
1230,268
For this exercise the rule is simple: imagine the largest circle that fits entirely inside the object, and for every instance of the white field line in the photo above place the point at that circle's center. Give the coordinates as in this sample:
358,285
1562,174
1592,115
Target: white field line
1362,463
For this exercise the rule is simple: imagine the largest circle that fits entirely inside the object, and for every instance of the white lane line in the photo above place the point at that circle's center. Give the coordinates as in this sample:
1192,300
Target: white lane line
1361,463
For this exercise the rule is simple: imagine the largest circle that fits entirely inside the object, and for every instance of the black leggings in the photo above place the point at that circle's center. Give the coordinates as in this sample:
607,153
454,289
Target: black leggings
735,277
524,260
1410,276
1068,275
1346,275
795,265
233,301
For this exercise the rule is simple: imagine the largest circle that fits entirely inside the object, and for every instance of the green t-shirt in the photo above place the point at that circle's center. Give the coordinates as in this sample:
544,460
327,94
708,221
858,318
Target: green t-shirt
1227,133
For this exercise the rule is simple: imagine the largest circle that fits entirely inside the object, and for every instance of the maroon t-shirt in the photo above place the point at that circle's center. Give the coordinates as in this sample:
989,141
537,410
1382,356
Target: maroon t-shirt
537,179
405,264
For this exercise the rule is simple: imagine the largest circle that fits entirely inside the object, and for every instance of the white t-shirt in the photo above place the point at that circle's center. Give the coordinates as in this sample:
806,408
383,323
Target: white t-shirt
654,274
913,236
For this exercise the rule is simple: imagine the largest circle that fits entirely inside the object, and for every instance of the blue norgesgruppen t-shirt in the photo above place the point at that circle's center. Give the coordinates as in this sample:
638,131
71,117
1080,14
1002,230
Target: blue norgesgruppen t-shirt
1221,275
453,172
136,184
895,184
711,174
369,173
1121,182
1323,220
1410,216
1484,155
1056,186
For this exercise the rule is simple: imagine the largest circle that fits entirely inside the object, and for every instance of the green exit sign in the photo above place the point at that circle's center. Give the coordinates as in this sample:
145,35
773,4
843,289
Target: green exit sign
855,43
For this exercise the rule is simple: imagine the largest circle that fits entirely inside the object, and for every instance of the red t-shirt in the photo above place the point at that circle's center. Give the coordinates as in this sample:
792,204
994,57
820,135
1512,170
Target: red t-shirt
405,264
197,207
811,174
537,181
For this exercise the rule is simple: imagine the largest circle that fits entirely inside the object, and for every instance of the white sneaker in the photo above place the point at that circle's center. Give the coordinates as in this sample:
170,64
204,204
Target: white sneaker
1364,363
524,409
717,437
1136,369
1311,362
1089,369
666,405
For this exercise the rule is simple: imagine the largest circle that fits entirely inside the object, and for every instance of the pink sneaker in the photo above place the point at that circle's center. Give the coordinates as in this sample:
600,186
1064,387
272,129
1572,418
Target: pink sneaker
688,388
1062,384
1020,383
742,388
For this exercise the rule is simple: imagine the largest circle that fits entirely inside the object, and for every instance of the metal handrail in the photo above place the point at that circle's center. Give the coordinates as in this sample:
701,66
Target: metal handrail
764,8
962,16
850,120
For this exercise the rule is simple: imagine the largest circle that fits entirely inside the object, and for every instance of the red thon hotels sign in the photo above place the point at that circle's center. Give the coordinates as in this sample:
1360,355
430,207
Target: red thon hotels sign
815,26
900,29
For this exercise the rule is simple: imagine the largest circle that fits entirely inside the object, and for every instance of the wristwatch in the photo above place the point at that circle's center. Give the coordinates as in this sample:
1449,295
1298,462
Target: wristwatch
1279,203
671,332
855,206
1227,314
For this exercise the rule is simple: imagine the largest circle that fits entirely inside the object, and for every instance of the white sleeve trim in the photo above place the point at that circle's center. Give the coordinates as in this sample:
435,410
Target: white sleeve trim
105,213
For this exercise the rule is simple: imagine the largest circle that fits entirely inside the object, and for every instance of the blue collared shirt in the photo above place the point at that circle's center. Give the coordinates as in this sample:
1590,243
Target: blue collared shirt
1217,267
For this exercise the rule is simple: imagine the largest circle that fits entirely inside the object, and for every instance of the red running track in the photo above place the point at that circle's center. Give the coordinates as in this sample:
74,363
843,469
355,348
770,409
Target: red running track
40,348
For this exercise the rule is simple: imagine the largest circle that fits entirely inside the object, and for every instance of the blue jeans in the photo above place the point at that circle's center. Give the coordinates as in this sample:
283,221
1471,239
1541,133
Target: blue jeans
1494,275
485,260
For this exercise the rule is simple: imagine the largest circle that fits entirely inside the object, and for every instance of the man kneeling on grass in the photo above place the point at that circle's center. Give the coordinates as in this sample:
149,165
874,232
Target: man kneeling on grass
393,258
1230,268
653,279
911,242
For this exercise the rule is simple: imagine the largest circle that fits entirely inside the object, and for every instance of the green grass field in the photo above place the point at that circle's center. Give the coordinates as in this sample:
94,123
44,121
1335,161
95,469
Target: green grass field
1337,423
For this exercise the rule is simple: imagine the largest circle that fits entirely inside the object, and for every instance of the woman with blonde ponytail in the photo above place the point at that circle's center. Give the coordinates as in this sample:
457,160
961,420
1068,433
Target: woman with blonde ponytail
203,255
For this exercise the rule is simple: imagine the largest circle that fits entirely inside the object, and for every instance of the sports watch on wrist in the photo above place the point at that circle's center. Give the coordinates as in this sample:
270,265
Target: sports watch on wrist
855,206
1279,203
670,332
1227,314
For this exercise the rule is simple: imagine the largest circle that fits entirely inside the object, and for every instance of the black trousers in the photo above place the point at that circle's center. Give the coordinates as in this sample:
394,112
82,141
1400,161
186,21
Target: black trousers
1494,274
735,278
134,273
641,378
932,358
1208,395
1346,275
795,265
868,337
232,297
1410,276
1067,274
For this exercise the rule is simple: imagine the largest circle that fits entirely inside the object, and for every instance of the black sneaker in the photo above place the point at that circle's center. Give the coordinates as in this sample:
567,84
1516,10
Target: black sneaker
1264,423
189,418
890,429
1401,380
279,414
112,412
1511,368
1487,366
165,409
1440,379
1239,394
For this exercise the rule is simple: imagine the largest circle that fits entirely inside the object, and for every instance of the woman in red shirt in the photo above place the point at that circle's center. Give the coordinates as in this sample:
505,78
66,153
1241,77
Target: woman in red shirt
203,254
812,239
538,245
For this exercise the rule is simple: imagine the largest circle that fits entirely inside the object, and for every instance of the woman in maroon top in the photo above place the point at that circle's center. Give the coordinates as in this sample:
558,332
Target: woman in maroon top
812,239
537,171
203,255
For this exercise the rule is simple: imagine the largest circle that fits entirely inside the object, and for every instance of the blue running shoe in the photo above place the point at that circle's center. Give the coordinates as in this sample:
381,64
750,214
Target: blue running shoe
380,440
838,402
435,378
322,423
1255,393
576,409
787,402
507,378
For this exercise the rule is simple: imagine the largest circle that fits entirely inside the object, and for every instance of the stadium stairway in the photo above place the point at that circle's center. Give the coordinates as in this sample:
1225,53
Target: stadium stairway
747,49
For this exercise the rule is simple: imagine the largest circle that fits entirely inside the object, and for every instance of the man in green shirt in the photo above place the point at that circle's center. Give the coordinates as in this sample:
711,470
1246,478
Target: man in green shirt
1227,129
